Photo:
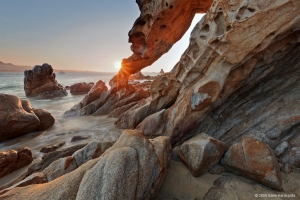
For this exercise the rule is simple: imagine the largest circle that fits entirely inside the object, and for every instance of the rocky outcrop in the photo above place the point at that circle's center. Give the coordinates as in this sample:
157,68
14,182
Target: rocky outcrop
201,153
52,147
133,168
81,88
232,61
16,120
255,160
139,76
40,82
161,72
154,31
119,95
12,160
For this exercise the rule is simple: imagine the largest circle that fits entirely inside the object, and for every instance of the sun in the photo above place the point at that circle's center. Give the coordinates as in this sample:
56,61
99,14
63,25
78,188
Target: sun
118,65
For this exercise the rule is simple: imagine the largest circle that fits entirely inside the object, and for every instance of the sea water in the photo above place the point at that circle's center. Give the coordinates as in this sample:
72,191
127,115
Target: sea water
98,128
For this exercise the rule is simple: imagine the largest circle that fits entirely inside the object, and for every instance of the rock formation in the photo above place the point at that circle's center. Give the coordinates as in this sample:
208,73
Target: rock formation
139,76
254,159
17,117
161,72
40,82
133,168
12,160
201,153
81,88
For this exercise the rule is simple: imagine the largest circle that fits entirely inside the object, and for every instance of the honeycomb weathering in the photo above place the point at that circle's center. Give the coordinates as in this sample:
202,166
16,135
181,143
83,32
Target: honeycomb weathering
160,25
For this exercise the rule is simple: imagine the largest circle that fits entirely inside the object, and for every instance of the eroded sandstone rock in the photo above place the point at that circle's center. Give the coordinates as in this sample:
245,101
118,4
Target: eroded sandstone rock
40,82
81,88
255,160
201,153
133,168
46,118
12,160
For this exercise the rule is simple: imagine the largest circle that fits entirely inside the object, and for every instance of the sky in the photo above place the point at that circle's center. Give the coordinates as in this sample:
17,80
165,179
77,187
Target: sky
74,34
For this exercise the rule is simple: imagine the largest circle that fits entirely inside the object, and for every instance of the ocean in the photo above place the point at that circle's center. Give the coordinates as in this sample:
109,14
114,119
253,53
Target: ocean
99,128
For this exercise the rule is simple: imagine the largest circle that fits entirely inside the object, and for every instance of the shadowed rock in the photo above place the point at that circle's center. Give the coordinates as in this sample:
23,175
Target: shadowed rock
81,88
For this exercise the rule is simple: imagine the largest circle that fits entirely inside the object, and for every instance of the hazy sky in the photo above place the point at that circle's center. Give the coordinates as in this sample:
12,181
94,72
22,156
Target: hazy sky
73,34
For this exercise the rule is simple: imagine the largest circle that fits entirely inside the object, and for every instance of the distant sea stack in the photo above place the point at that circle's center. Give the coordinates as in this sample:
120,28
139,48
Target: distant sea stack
40,82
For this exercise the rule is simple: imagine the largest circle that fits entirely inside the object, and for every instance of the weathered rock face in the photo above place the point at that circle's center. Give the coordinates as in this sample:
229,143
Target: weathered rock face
230,52
119,95
81,88
16,120
139,76
255,160
155,31
40,82
201,153
164,90
12,160
133,168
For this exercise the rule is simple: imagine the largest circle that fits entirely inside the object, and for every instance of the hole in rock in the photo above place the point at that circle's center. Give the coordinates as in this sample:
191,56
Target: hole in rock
251,9
206,28
203,37
171,7
238,18
163,27
228,28
158,19
167,4
142,23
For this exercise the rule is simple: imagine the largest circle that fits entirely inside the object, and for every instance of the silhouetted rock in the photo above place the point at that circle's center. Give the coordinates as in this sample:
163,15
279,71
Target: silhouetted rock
40,82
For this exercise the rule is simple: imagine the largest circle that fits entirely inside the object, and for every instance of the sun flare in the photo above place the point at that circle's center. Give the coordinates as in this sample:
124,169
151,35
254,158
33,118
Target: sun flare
118,65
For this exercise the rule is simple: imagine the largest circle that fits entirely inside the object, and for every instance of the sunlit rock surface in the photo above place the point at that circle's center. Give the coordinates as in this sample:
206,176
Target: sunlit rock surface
40,82
16,120
133,168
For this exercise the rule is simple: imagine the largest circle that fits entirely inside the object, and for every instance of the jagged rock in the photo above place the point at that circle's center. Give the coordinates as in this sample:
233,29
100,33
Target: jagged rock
40,82
81,88
228,56
45,117
14,120
52,147
163,92
201,153
139,76
116,113
133,168
36,178
12,160
94,93
161,72
255,160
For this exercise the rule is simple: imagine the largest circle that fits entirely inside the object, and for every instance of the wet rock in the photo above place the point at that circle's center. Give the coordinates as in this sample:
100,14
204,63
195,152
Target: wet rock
133,167
26,106
80,137
52,147
12,160
46,118
36,178
81,88
201,153
40,82
14,120
255,160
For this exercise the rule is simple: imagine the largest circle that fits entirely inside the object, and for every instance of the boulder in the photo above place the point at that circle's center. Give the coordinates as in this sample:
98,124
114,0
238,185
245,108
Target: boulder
80,137
14,120
46,118
40,82
81,88
52,147
11,160
133,168
201,153
116,113
255,160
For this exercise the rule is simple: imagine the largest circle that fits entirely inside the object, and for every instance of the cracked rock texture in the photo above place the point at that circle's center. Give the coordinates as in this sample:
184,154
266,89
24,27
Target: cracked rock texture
255,160
133,168
40,82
